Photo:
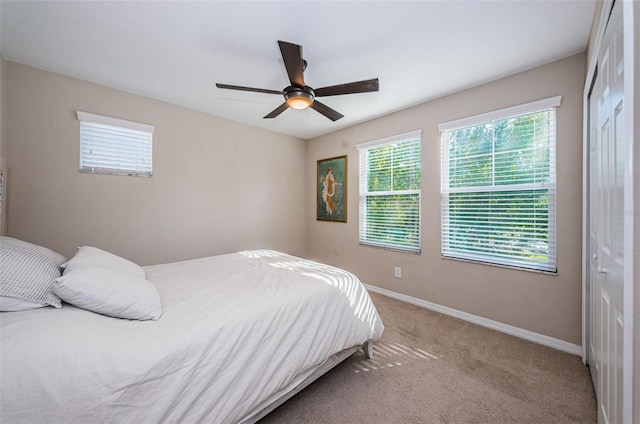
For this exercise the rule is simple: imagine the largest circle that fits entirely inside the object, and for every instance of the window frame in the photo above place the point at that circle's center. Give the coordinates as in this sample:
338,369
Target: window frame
142,132
364,193
550,266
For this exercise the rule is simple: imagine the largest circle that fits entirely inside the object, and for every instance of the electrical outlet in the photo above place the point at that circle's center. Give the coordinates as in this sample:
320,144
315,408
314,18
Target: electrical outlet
397,272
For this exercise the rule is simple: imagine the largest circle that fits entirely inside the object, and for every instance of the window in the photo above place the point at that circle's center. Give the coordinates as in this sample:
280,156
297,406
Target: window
114,146
390,181
498,186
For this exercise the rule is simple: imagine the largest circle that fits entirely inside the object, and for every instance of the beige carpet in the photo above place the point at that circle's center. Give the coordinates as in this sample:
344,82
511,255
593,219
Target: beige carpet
431,368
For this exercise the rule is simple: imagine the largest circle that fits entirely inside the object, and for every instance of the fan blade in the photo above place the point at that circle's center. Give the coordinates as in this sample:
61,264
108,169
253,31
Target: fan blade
326,110
277,111
349,88
257,90
292,56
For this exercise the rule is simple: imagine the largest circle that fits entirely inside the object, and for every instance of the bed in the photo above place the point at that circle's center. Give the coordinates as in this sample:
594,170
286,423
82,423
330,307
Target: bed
238,335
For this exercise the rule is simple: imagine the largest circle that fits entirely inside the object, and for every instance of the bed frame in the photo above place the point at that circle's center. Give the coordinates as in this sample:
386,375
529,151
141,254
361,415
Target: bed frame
290,391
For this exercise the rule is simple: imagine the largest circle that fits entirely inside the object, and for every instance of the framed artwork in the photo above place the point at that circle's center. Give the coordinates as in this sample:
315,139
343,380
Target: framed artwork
332,189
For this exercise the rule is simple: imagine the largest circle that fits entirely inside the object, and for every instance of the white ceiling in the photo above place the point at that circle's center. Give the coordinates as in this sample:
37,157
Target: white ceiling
177,51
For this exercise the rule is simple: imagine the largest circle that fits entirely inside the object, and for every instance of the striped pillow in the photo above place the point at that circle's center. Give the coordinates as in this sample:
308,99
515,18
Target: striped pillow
28,271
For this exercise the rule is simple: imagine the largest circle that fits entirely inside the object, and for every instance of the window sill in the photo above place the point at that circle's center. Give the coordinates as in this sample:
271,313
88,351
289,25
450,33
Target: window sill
517,268
391,248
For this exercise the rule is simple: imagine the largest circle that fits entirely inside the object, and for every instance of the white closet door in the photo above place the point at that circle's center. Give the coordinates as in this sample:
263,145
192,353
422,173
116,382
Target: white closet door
606,155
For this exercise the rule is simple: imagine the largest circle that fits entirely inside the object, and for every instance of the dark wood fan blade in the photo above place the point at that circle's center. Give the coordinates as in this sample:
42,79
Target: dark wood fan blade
326,110
349,88
277,111
256,90
292,56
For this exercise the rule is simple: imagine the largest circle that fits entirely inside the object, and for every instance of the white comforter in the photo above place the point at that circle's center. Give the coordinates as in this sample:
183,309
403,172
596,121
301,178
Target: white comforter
235,330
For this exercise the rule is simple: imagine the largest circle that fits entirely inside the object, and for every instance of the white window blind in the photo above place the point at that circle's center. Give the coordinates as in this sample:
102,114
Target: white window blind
498,187
115,146
390,188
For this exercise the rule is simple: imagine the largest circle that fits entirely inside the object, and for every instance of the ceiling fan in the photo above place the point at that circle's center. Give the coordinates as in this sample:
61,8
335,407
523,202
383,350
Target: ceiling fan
301,96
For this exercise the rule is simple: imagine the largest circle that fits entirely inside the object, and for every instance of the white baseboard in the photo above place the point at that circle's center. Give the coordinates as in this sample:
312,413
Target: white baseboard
485,322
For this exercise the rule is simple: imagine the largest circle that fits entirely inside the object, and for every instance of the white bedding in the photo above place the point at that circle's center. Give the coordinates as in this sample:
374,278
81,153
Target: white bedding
235,329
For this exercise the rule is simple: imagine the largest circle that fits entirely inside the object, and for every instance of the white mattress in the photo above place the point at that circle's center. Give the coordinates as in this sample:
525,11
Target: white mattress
236,329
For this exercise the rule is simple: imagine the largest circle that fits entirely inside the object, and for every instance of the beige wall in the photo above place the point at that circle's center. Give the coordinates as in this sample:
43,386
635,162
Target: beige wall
218,186
2,102
3,162
546,304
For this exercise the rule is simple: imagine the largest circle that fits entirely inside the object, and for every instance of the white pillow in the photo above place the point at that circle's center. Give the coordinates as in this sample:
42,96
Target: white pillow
27,271
109,292
13,304
88,256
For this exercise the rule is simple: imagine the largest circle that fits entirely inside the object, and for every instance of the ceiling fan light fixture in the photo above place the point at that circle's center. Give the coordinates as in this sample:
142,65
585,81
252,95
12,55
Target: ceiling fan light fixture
299,102
299,98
